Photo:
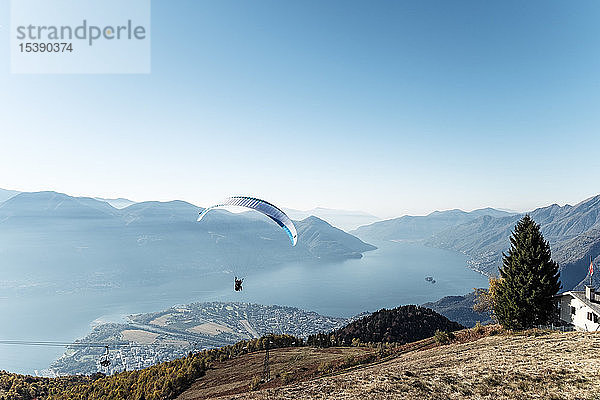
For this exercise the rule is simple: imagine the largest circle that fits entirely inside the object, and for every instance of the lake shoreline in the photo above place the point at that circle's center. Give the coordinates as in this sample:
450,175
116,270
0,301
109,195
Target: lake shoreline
387,277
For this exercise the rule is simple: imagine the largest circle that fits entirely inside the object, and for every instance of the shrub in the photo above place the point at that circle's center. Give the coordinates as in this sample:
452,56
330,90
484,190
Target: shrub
287,377
350,361
325,367
254,383
478,329
441,337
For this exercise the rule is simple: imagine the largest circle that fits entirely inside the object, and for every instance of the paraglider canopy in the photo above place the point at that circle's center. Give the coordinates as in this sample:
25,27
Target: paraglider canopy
263,207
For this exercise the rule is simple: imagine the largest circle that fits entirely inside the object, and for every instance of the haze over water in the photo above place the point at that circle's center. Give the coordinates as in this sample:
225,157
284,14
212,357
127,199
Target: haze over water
388,277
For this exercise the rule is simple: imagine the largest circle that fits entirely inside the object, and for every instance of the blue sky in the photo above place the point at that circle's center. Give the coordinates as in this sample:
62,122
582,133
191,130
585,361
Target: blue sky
390,107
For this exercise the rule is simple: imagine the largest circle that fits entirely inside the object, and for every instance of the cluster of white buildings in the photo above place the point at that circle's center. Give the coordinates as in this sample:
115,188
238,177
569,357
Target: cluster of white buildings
132,358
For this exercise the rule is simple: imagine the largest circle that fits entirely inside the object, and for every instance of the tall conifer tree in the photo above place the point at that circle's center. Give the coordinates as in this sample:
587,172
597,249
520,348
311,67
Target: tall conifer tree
529,279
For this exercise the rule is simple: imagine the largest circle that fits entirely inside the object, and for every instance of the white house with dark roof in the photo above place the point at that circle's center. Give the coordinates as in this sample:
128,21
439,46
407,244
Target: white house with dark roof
580,309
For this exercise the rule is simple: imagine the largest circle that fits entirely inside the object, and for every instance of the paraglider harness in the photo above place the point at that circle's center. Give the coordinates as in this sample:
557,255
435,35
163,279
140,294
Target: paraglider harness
238,284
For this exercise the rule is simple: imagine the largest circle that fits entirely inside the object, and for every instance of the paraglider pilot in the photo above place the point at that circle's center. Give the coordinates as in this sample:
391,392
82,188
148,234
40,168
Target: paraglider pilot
238,284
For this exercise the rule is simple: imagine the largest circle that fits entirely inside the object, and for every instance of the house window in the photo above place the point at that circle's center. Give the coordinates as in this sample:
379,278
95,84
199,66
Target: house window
572,310
595,318
590,318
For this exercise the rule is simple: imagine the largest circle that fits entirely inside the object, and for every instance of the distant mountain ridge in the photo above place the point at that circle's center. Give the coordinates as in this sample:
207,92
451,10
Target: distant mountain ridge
573,233
411,227
51,234
117,203
7,194
343,219
322,238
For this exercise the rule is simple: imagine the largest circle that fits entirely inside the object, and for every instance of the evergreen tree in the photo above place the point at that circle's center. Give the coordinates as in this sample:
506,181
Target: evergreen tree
528,279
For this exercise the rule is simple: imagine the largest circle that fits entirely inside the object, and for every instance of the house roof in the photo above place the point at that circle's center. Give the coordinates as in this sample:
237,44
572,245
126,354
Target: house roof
579,295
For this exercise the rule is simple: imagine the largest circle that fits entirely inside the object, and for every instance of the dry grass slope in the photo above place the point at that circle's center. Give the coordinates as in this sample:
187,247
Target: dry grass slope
288,364
549,366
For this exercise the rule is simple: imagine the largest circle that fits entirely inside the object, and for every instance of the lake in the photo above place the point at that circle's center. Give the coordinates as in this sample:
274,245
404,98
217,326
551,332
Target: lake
390,276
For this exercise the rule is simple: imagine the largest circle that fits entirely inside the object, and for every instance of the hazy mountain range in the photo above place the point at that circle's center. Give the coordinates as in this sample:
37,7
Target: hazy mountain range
68,234
117,203
573,233
49,234
343,219
7,194
421,227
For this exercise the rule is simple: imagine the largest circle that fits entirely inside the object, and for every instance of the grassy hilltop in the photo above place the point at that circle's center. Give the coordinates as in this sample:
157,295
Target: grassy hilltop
477,363
503,366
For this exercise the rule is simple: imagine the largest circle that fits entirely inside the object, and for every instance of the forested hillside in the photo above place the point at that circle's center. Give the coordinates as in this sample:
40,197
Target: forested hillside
162,381
404,324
